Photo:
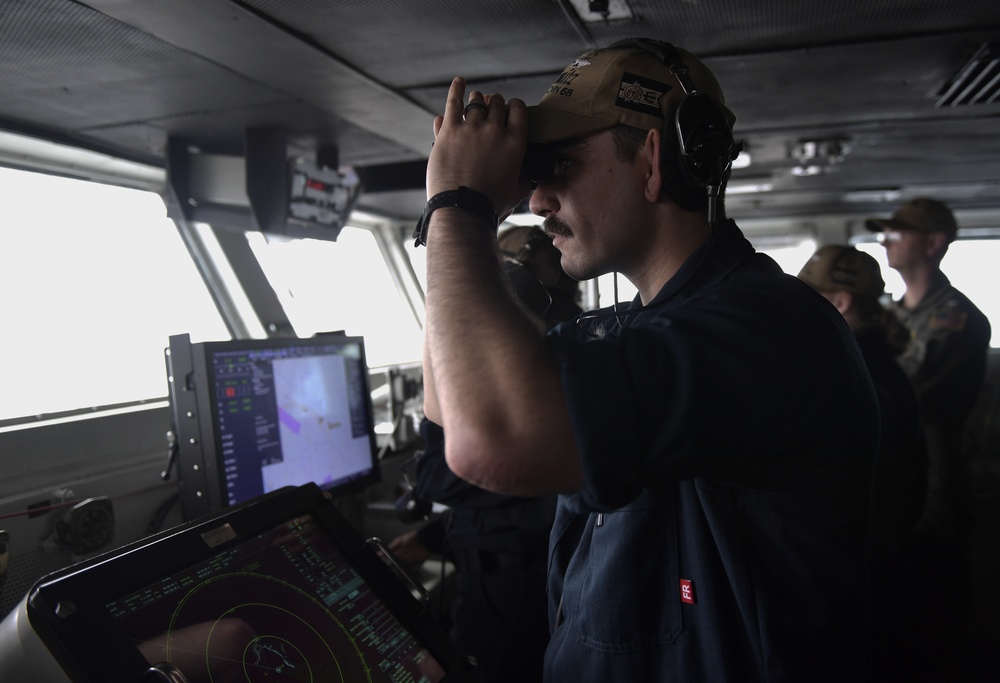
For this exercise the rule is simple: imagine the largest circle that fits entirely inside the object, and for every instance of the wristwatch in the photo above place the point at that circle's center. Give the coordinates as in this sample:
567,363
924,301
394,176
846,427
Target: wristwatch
463,198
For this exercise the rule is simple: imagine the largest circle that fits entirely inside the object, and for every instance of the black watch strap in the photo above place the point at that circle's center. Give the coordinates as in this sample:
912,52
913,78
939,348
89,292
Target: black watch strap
463,198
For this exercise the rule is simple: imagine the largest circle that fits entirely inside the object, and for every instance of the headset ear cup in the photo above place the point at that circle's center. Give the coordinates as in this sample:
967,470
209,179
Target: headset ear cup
678,184
705,140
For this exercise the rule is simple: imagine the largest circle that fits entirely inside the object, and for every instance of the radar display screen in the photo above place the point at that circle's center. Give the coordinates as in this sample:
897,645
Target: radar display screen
285,605
290,411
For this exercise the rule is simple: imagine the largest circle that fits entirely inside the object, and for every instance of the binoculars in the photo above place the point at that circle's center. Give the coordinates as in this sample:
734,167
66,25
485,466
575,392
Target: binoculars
540,164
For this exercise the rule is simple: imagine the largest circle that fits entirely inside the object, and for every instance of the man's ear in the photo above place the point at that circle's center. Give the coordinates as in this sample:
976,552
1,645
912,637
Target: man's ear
650,157
935,243
842,300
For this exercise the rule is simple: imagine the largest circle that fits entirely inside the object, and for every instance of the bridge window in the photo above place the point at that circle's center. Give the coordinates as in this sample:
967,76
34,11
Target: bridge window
94,280
343,285
790,254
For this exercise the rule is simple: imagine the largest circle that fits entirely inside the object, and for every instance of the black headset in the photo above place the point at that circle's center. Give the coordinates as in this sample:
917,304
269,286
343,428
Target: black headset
703,142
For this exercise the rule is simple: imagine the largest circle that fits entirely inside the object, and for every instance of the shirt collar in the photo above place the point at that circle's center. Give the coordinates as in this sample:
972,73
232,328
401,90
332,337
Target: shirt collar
708,264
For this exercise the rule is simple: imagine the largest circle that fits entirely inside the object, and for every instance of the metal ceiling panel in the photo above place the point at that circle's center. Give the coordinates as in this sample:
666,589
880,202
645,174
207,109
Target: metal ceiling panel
122,76
408,44
70,69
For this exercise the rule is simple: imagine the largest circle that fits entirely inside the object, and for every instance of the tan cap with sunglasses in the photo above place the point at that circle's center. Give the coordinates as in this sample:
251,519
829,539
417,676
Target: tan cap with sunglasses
919,215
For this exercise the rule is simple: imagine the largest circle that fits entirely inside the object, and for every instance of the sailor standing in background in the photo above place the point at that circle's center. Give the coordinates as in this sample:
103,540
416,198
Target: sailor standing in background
946,361
852,281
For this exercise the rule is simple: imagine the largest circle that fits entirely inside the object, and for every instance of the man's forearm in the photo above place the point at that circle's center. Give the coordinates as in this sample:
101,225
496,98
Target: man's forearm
432,411
495,386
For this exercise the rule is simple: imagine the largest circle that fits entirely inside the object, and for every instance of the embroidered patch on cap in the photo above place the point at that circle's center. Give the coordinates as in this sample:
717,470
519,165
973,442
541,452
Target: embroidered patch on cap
641,94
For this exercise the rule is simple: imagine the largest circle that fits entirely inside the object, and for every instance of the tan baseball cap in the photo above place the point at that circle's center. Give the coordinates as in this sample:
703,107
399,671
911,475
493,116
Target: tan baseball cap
617,85
920,215
837,268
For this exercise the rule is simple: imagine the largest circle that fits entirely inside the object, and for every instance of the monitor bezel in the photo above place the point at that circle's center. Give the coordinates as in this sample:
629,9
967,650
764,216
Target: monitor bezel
195,420
90,646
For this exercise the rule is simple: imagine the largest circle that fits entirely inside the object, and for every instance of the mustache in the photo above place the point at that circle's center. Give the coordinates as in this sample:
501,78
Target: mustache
553,225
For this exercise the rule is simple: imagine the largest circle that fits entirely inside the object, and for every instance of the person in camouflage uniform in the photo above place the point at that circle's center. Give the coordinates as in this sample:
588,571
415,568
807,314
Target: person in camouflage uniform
946,361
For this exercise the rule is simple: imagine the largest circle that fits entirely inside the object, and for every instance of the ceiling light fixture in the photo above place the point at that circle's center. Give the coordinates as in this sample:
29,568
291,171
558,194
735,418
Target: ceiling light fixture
597,11
883,196
818,156
743,160
804,171
749,187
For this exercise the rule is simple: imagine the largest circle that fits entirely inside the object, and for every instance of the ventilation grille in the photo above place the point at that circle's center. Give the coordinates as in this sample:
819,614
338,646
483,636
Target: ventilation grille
978,82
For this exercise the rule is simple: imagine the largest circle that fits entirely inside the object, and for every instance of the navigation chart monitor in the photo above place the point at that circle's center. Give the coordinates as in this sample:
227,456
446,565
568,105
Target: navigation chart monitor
252,416
278,589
